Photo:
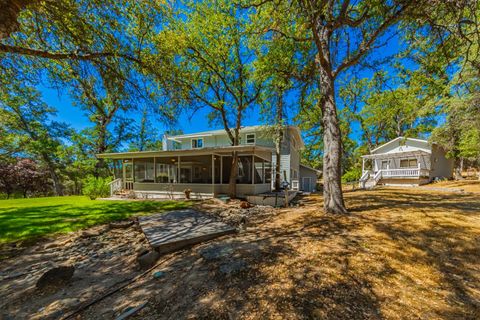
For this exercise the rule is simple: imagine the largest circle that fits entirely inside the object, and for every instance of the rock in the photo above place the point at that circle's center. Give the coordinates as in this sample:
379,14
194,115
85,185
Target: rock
121,224
245,205
147,260
56,276
90,233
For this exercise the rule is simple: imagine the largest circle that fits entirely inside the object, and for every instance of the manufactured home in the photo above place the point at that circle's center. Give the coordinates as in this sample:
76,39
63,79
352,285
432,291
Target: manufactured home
201,162
405,161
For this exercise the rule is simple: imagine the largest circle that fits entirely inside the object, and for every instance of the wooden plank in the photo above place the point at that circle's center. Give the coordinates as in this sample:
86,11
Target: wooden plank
171,231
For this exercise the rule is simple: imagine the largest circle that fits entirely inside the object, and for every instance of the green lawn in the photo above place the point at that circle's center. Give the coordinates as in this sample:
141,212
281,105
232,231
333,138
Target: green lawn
26,219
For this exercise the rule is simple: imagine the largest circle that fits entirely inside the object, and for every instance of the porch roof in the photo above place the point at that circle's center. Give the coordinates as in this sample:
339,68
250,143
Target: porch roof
262,152
406,154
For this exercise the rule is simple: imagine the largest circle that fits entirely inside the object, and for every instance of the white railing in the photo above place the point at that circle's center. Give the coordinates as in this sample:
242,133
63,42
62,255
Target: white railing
115,185
406,172
378,176
364,178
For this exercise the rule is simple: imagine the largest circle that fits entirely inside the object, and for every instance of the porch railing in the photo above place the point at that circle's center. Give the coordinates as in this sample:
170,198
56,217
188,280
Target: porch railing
115,185
406,172
364,178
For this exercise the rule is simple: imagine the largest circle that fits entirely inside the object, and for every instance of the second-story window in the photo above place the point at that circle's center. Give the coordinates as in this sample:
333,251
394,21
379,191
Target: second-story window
250,138
197,143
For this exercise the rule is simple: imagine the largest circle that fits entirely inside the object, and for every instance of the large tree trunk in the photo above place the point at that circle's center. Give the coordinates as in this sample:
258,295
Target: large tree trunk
232,182
459,169
332,141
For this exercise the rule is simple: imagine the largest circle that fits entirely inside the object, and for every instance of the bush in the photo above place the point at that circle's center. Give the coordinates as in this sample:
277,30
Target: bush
96,187
353,174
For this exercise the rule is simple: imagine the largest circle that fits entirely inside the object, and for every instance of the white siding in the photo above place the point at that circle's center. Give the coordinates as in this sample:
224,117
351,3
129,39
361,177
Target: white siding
406,145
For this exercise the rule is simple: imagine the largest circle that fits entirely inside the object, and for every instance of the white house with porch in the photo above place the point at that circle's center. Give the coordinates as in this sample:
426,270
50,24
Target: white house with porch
202,163
405,161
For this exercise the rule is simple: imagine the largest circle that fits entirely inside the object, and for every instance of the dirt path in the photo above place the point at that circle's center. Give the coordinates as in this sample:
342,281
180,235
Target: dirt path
400,254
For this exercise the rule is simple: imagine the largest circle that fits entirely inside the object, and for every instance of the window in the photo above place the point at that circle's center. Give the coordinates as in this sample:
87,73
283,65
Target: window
197,143
258,170
408,163
244,169
144,170
250,138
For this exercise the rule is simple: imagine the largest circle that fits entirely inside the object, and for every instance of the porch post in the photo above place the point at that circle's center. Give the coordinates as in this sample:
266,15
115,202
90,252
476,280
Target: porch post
178,170
154,170
253,169
221,169
213,174
363,166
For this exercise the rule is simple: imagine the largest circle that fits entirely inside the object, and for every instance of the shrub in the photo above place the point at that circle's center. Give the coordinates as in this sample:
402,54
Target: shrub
96,187
353,174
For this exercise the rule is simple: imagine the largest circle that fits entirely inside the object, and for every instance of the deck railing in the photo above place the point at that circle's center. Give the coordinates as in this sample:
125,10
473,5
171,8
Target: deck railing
115,185
405,172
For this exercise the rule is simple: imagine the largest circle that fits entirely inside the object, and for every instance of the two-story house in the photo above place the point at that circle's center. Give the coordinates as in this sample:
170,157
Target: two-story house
202,162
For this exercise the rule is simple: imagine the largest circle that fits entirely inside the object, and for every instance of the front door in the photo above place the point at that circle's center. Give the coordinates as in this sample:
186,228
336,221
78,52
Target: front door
307,184
128,175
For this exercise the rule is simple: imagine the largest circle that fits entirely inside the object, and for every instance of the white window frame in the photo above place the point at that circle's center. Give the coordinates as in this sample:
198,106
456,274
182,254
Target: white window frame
254,138
408,160
196,139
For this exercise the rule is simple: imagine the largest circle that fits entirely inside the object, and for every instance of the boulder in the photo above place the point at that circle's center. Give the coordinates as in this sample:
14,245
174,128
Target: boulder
56,276
121,224
147,260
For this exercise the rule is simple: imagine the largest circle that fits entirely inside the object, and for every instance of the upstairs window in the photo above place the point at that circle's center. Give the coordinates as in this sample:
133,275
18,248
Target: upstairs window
197,143
250,138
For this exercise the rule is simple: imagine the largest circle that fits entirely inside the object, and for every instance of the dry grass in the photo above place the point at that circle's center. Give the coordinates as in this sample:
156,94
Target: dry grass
400,254
465,185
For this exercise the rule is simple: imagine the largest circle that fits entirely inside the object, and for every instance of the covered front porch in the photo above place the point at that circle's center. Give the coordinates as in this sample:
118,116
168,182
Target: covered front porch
398,167
206,172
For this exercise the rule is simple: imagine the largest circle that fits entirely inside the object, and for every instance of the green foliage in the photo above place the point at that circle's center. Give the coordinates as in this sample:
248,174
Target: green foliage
354,174
26,219
94,187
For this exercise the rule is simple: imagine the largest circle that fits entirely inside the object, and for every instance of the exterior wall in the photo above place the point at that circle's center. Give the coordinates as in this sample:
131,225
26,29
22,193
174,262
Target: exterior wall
424,161
289,155
221,140
199,190
441,166
404,182
308,173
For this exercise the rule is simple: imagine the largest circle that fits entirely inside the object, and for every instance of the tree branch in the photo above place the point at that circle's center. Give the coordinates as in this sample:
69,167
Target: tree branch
91,56
366,44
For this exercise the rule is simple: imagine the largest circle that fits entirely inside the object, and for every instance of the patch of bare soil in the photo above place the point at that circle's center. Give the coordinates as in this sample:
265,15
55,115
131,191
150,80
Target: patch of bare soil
399,254
102,256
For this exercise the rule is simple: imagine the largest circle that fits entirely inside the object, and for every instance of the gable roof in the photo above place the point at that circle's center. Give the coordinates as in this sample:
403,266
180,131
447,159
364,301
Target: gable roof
397,139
